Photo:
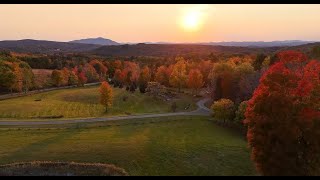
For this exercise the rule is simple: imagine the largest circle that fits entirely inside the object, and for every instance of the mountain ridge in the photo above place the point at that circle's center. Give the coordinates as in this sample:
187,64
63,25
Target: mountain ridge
96,41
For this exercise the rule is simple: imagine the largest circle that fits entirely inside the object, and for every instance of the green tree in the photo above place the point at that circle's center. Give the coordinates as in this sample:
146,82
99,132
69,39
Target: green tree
7,76
240,116
27,77
316,52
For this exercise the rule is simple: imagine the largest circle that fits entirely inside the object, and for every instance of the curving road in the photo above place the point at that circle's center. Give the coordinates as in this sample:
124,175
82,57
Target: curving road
201,111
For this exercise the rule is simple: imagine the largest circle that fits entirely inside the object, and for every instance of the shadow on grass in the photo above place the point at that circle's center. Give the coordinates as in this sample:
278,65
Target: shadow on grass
24,152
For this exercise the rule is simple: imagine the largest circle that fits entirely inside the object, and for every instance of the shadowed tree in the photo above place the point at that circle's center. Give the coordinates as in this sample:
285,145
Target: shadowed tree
257,63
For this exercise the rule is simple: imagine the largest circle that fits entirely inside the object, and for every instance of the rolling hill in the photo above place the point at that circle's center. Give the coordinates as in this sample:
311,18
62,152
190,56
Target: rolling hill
163,50
98,41
260,43
140,49
39,46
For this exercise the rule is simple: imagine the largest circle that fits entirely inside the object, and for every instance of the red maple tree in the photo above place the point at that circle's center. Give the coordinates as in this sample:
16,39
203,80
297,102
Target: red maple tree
283,117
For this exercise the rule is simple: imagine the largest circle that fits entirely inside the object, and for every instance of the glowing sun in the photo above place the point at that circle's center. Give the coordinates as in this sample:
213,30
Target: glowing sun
192,19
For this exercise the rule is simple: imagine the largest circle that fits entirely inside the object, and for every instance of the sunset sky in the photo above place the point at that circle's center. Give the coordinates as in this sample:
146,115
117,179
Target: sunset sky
154,23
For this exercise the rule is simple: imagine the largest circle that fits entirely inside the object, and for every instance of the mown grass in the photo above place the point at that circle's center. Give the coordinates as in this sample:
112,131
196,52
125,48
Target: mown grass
84,102
46,168
153,146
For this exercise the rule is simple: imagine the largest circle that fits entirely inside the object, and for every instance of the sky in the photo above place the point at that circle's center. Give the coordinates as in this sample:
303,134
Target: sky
161,23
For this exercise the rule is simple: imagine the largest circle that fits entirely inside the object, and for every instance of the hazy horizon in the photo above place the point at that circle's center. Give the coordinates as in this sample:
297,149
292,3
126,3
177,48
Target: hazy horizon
161,23
153,41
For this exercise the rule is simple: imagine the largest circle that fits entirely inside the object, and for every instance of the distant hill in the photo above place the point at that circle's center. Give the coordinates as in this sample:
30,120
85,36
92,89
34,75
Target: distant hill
306,48
39,46
166,50
141,49
244,43
98,41
163,50
260,43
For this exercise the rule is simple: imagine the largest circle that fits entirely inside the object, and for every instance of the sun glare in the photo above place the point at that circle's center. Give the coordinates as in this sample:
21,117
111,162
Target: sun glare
191,21
192,18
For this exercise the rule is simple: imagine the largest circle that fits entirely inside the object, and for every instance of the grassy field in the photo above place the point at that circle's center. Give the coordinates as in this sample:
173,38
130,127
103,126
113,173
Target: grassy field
154,146
84,102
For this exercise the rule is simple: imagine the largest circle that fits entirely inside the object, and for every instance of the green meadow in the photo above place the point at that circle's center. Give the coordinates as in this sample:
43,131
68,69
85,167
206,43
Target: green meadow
84,103
153,146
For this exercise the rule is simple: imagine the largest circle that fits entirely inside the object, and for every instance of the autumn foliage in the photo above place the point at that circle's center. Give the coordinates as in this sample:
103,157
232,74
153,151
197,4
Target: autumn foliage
163,75
223,109
15,75
79,72
283,117
101,69
57,78
144,78
106,95
195,80
178,76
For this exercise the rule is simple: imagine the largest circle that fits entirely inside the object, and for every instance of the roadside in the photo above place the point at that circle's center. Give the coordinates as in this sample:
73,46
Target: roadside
201,111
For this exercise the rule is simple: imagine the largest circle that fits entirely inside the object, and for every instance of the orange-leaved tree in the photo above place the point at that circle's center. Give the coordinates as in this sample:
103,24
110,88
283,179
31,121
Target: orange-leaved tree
283,117
195,80
106,95
178,76
163,75
100,68
144,78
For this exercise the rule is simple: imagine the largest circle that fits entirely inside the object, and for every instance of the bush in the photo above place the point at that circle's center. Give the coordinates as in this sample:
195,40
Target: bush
223,109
